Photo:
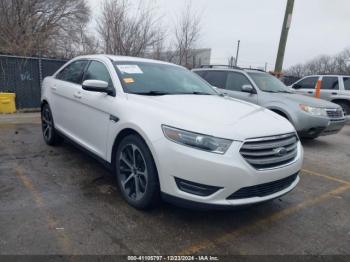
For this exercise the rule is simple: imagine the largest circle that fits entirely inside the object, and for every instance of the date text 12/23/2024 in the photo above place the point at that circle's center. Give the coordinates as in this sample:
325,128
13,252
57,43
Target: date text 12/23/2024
173,258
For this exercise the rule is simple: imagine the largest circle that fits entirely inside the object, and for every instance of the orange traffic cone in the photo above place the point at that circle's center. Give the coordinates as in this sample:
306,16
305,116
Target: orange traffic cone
318,89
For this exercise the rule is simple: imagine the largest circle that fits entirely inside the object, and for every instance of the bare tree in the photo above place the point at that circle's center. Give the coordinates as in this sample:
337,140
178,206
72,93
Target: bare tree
75,42
158,49
338,64
129,32
187,32
34,27
296,70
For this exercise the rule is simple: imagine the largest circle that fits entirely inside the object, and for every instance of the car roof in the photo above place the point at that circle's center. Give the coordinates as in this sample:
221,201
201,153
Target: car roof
234,69
116,58
326,75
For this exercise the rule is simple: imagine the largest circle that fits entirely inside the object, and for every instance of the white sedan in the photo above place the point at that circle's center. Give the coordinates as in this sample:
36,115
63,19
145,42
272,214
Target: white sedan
166,133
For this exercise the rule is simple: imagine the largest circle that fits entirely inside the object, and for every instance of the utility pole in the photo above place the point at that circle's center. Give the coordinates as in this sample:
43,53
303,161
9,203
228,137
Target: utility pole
231,62
238,44
284,36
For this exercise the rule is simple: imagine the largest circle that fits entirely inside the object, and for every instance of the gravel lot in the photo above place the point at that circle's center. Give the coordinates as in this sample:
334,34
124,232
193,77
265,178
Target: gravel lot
60,201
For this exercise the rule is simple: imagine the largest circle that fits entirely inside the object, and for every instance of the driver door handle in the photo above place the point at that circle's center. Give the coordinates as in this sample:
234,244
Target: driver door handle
334,93
310,92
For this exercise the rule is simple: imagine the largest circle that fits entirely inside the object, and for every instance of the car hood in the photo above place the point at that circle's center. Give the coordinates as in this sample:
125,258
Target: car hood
217,116
306,100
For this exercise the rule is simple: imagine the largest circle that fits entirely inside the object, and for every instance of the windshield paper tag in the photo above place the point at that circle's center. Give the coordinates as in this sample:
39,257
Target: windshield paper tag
130,69
128,80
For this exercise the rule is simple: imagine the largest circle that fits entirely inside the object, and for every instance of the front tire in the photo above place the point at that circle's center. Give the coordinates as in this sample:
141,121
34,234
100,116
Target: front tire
346,108
136,172
50,135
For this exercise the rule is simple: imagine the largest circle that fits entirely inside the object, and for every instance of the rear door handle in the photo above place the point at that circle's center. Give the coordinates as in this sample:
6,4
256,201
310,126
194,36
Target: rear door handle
310,92
334,93
54,88
77,95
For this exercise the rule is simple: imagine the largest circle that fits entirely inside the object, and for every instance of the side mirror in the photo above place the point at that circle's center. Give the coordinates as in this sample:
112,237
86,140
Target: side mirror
296,86
248,89
96,86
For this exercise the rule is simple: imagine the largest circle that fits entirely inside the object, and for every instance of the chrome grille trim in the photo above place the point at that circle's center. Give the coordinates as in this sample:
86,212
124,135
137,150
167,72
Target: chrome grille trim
335,113
268,144
270,152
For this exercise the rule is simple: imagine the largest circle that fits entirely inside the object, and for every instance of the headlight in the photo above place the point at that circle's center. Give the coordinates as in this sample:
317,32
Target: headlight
199,141
315,111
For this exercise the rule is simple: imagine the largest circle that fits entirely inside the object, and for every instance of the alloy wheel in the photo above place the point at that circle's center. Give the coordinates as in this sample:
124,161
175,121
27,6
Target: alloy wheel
47,124
133,172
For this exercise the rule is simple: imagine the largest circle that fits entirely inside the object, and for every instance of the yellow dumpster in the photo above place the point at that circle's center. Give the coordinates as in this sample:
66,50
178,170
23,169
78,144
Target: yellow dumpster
7,103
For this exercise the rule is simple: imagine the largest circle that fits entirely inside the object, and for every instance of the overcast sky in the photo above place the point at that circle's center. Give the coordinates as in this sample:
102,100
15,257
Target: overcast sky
318,27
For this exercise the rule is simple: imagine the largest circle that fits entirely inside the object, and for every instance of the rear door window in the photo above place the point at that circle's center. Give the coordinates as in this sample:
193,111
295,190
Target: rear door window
216,78
235,81
346,83
73,72
200,73
330,83
307,83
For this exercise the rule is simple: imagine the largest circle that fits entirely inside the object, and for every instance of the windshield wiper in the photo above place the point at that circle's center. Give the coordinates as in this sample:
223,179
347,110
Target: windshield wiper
152,93
194,93
161,93
199,93
285,91
270,91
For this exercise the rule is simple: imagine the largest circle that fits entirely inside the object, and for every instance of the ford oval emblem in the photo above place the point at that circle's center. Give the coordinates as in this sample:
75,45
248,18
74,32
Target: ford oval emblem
281,151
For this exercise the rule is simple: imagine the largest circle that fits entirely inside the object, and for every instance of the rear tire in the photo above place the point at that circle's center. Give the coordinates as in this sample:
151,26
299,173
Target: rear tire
51,137
136,173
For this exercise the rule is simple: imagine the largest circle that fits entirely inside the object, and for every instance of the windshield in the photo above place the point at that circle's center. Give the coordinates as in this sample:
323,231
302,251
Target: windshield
269,83
160,79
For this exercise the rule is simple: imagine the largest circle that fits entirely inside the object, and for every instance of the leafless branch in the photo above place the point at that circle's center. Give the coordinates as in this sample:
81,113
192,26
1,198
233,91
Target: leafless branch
128,32
187,32
38,27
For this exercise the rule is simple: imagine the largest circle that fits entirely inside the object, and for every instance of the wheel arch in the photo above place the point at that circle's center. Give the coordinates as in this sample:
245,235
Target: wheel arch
281,113
43,102
341,100
124,133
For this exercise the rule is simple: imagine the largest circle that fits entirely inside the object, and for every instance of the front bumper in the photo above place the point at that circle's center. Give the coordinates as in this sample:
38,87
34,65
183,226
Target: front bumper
313,126
229,172
335,125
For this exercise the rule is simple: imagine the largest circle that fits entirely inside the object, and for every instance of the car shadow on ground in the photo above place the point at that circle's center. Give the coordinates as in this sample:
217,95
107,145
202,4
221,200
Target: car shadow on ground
104,184
314,142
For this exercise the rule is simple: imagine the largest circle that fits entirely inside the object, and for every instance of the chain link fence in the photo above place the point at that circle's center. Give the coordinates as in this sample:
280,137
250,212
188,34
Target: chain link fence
24,75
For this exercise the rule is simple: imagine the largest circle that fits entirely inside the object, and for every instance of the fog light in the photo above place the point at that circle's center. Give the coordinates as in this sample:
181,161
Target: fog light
195,188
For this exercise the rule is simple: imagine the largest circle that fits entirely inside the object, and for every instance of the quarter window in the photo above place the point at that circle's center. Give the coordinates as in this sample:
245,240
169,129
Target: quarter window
307,83
216,78
235,81
330,83
73,72
98,71
346,83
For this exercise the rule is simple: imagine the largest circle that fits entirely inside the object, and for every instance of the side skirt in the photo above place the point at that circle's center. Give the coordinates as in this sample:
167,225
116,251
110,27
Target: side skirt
105,163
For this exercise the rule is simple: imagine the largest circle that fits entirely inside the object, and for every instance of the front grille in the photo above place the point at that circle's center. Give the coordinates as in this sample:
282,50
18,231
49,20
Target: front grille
264,189
270,152
335,113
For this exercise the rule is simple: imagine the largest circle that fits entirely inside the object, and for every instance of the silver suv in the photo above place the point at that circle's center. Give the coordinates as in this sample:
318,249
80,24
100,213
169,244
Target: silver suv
334,88
311,117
